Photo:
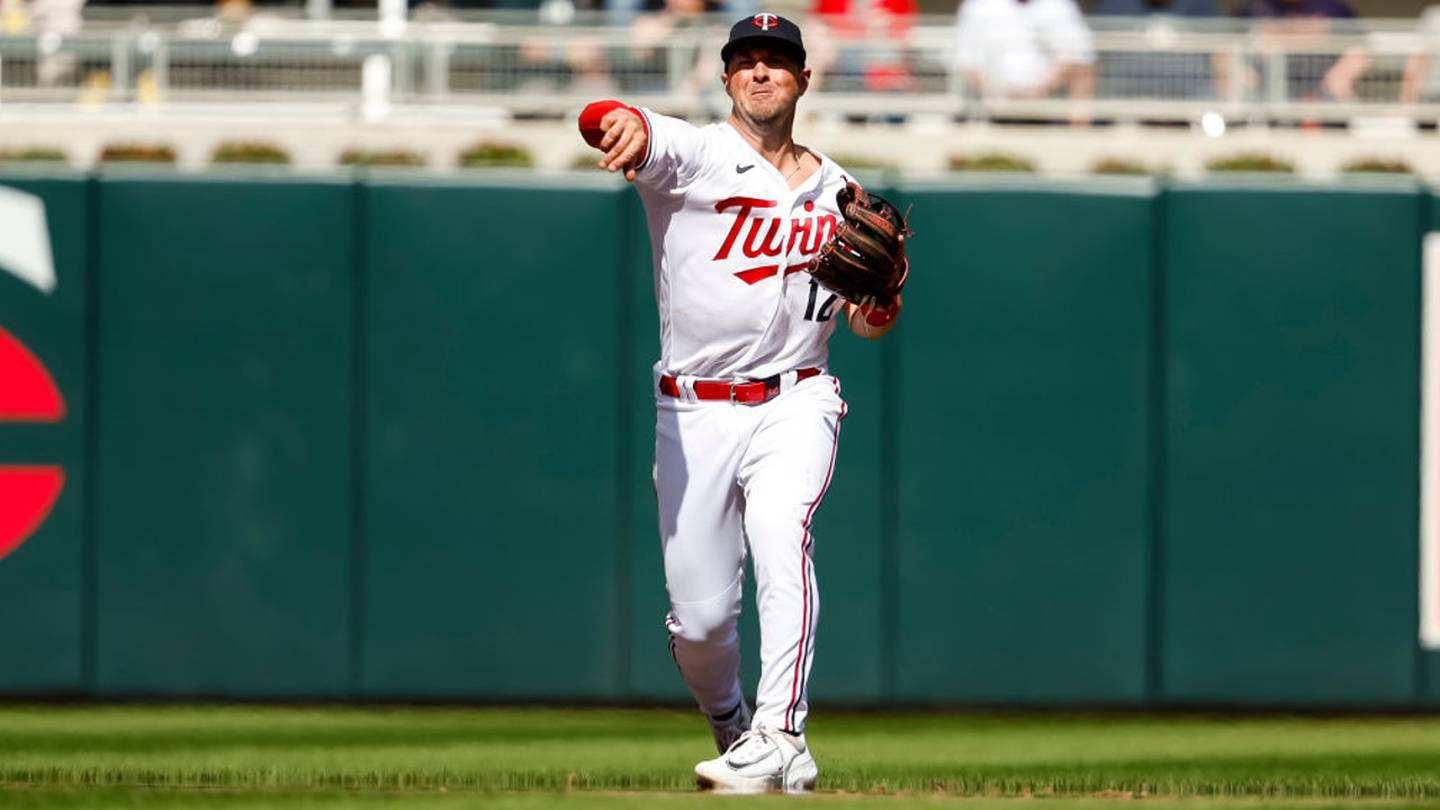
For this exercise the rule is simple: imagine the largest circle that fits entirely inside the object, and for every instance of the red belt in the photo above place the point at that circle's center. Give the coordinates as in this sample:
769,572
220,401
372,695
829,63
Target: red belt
746,392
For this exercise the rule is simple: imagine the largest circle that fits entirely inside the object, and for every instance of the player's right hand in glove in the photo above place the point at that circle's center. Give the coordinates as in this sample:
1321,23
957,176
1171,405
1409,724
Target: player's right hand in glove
864,261
618,131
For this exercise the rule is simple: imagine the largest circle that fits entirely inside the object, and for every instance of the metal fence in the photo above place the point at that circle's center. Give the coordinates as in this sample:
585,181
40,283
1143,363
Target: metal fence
1160,69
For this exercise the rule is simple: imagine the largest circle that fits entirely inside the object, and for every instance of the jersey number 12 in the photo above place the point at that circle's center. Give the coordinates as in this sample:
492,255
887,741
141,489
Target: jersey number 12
826,309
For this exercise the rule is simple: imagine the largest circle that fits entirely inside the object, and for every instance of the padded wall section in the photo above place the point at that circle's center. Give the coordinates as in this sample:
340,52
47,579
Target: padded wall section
224,443
1023,404
491,426
42,579
1291,445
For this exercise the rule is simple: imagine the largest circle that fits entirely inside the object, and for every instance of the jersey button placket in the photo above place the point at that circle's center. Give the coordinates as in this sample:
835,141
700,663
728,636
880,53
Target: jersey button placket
807,197
787,198
807,206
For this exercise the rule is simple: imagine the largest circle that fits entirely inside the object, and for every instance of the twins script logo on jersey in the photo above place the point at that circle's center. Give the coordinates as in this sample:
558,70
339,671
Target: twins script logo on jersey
809,232
764,21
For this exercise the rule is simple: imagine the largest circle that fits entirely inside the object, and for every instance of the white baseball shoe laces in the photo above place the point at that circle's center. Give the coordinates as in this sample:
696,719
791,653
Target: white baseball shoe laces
760,761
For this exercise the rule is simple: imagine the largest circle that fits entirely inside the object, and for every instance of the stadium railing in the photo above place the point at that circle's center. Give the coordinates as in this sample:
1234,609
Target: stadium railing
1145,70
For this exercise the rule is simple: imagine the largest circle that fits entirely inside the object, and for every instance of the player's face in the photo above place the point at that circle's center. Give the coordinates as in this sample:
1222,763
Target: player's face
764,83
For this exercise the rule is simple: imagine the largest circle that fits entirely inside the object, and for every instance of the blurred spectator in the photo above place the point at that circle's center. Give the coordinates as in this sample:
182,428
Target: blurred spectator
860,44
1421,82
56,16
1024,48
578,65
657,42
61,17
1162,72
234,12
1292,26
52,21
14,17
624,12
667,38
1153,8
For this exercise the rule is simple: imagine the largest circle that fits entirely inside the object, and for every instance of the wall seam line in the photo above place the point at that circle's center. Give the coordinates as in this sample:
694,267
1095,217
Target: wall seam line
90,584
624,447
890,386
1155,498
359,301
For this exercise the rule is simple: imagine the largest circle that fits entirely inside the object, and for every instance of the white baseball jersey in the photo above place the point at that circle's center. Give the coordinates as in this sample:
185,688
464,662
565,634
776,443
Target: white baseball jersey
729,240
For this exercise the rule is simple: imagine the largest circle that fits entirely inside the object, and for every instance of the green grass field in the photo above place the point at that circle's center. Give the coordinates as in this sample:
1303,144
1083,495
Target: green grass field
232,757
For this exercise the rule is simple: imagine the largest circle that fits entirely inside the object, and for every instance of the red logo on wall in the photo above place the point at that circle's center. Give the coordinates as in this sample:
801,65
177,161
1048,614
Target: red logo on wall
27,394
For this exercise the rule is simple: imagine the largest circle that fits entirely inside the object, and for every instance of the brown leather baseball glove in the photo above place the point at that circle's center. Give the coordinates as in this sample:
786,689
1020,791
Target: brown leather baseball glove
864,261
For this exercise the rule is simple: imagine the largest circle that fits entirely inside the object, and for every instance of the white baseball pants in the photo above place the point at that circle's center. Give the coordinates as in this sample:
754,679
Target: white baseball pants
726,474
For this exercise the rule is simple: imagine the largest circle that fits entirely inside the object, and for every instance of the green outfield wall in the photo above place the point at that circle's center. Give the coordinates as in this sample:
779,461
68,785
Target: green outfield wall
1290,432
47,585
223,454
390,437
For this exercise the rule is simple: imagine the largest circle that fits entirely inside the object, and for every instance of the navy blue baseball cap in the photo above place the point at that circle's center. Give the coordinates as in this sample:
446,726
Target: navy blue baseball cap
765,29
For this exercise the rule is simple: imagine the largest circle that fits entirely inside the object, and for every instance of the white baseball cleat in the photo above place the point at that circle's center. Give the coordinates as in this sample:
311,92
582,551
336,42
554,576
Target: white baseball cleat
760,761
728,727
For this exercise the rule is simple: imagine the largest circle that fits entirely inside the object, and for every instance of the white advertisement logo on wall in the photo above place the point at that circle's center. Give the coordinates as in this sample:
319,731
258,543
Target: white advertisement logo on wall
1430,446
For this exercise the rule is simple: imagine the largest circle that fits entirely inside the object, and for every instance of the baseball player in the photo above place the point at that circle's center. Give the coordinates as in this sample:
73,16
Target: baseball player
747,415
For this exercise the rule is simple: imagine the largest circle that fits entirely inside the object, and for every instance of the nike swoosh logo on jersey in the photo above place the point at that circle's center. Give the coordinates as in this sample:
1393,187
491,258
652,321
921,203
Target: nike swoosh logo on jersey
742,169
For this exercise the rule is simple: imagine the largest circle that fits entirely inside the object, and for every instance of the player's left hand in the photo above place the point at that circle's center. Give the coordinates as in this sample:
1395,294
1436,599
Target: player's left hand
865,258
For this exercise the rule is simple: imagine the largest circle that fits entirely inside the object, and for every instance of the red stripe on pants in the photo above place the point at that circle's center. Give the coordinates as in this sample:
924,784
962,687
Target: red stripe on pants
805,617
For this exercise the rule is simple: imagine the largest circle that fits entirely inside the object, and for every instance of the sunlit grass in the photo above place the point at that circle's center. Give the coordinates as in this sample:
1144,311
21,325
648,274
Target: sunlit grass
323,757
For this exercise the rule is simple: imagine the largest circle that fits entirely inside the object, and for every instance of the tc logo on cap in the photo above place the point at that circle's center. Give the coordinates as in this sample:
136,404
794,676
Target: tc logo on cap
764,21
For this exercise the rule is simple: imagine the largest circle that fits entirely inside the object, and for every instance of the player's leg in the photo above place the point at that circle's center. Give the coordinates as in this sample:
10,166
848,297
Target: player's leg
785,473
696,457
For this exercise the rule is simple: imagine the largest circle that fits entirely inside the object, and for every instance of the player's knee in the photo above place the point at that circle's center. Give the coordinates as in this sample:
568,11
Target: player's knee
709,622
